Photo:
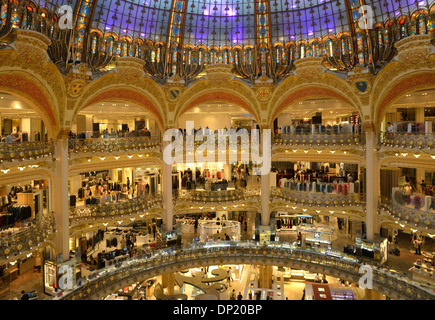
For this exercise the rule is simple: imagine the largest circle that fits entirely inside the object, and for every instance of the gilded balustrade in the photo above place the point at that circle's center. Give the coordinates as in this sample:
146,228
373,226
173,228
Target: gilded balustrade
317,198
217,196
27,237
109,145
22,151
339,140
408,216
409,141
115,209
284,254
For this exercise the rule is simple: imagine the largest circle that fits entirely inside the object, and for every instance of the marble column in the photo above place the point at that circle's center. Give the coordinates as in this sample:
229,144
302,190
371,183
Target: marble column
265,195
61,194
372,183
167,194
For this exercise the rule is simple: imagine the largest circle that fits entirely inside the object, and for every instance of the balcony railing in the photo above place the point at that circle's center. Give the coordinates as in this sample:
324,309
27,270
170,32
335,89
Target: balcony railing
106,145
27,237
408,215
218,196
22,151
409,140
326,261
338,140
317,198
115,209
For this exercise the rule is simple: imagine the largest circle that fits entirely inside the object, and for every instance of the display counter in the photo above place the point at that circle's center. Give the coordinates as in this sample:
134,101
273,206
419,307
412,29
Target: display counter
317,236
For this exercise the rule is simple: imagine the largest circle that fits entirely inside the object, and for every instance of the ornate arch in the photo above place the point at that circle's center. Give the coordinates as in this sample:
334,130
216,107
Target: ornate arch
123,87
397,88
205,91
26,87
304,92
126,94
215,95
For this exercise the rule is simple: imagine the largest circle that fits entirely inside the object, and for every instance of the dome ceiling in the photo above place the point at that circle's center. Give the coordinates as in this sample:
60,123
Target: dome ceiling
223,22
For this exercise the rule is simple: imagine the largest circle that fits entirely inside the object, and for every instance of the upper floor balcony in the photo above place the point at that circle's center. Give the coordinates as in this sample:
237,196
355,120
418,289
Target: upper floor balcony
320,137
409,136
105,210
86,144
320,194
413,210
26,238
23,153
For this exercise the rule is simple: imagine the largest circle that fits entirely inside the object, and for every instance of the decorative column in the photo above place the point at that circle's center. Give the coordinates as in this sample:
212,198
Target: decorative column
372,182
167,193
61,194
265,197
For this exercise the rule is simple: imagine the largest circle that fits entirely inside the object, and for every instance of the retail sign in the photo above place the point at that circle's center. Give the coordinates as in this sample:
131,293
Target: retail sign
249,147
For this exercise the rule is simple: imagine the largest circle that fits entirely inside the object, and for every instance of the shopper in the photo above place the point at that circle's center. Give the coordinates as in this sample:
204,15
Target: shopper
258,295
240,297
233,295
196,225
299,239
123,243
24,295
154,230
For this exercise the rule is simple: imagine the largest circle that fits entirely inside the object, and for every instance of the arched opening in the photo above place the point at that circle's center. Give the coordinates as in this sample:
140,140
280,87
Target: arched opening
126,97
115,119
34,96
317,115
20,122
218,115
412,112
218,98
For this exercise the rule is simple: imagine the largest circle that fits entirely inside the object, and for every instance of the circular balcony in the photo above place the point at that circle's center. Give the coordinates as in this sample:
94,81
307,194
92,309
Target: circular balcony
318,140
27,238
112,210
110,279
23,152
411,216
104,146
318,198
404,141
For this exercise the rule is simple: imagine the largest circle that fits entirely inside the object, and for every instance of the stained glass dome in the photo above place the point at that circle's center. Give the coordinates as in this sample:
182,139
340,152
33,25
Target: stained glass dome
233,22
